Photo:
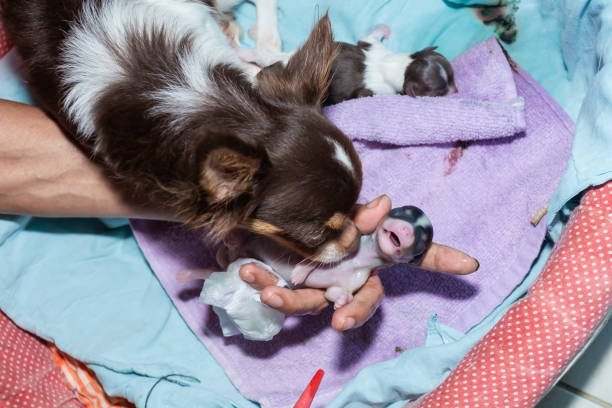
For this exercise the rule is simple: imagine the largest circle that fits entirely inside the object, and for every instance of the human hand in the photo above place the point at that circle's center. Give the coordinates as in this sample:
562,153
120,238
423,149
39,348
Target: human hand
367,299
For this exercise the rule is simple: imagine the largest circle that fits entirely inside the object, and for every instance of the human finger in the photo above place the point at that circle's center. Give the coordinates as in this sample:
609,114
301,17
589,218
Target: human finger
364,304
294,302
449,260
368,216
257,277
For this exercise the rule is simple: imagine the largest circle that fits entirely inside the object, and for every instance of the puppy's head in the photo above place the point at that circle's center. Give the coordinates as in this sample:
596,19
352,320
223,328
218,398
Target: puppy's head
429,74
313,175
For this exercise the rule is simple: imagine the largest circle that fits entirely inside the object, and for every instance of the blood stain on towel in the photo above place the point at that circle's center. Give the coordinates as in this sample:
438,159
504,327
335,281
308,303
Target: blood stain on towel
452,158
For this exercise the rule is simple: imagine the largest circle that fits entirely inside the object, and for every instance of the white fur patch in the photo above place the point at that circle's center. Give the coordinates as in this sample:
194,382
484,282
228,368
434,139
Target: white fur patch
342,157
384,70
96,49
443,73
423,222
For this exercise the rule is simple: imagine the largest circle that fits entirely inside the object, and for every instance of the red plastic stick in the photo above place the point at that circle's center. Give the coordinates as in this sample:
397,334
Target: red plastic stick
308,395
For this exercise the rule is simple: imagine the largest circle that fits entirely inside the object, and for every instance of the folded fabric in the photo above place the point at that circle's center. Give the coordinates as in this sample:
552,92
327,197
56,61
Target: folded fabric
84,383
588,53
29,377
480,199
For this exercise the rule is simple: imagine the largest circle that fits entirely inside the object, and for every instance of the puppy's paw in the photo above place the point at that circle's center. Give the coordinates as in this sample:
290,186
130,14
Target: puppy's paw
381,32
299,274
339,296
269,41
344,299
298,278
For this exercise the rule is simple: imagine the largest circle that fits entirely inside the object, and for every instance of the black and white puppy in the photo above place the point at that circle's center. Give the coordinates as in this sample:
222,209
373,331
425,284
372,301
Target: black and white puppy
369,68
152,90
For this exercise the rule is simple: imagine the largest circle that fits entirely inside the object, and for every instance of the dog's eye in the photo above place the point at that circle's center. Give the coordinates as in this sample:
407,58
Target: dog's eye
316,240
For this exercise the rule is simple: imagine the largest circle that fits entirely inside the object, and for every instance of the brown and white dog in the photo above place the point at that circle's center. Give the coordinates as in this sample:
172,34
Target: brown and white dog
153,90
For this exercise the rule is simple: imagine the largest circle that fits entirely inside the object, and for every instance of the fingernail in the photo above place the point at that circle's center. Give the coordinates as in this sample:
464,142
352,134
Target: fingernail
274,301
374,203
468,261
248,276
349,322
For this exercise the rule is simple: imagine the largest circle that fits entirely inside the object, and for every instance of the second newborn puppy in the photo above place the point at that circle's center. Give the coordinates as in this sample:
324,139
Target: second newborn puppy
369,68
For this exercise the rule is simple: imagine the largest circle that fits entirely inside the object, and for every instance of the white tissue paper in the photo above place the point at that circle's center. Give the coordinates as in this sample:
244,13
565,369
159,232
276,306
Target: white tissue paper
238,305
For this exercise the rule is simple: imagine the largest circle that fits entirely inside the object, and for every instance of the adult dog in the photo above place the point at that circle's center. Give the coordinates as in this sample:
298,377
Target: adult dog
154,91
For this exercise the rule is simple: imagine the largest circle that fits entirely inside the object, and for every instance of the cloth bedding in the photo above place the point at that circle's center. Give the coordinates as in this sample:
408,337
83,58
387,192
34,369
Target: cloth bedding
523,159
130,334
28,376
523,355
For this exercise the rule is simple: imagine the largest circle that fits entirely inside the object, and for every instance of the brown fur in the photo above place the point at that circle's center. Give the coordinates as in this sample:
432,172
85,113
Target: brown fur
294,82
246,154
348,74
423,78
336,221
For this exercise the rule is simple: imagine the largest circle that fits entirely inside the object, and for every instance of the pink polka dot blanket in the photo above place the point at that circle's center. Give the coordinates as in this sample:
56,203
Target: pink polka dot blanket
5,45
531,346
480,163
29,377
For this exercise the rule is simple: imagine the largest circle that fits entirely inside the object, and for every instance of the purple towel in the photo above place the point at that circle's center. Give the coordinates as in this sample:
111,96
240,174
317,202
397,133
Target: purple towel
480,199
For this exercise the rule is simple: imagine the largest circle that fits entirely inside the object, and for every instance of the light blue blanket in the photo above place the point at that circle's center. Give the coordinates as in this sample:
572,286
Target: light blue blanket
85,285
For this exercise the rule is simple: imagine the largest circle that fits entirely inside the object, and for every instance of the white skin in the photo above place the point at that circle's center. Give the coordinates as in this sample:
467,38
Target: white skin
391,242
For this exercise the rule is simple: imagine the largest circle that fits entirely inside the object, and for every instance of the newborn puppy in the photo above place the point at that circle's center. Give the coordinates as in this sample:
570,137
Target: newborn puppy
369,68
401,237
429,74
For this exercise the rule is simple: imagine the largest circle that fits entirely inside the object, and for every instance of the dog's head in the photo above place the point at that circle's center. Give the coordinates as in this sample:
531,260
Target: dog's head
429,74
300,182
314,181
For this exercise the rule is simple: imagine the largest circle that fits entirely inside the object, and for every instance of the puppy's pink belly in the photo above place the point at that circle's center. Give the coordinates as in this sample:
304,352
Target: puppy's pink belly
348,279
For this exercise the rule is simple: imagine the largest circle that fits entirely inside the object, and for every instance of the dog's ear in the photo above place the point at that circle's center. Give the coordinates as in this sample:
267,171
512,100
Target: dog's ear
227,174
307,75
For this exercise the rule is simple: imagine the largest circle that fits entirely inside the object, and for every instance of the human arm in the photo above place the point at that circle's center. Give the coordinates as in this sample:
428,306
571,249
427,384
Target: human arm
45,174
